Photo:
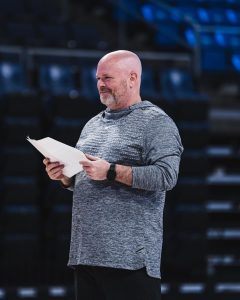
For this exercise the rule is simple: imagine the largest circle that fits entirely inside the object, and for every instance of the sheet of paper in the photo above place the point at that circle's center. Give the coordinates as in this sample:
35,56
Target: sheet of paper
57,151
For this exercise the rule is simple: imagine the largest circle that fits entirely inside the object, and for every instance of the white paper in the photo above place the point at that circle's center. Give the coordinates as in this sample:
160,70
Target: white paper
57,151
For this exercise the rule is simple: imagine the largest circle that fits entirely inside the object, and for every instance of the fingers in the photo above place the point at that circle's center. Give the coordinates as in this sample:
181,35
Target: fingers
87,166
56,173
91,157
51,166
54,169
85,163
46,161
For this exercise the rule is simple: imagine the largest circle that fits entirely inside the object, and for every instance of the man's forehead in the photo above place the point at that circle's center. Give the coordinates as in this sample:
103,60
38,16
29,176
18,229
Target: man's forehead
102,74
106,68
107,63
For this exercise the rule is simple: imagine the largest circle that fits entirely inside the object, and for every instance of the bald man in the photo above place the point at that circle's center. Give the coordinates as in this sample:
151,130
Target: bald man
133,152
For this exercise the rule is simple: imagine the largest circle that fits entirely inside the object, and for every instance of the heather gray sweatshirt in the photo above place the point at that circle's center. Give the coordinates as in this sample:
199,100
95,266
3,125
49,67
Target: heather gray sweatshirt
118,226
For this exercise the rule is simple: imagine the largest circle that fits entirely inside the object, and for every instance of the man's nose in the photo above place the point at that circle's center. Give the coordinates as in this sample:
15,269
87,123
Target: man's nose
100,83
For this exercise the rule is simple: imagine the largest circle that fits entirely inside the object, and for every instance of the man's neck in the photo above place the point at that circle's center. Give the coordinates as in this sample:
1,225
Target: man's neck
120,106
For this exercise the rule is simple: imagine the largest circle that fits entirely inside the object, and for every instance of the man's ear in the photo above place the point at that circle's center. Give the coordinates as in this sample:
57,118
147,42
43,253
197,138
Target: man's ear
133,78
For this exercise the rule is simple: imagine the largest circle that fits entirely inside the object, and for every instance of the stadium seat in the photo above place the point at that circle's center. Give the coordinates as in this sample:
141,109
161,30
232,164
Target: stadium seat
56,79
89,83
177,84
12,78
57,233
214,60
20,33
44,9
26,261
56,258
50,33
148,83
80,107
20,219
168,34
87,36
13,158
194,134
11,6
16,129
56,195
23,105
194,164
193,111
152,14
67,130
235,61
232,16
20,190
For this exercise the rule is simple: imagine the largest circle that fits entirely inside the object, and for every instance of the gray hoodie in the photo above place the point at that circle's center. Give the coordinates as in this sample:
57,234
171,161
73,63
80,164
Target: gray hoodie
114,225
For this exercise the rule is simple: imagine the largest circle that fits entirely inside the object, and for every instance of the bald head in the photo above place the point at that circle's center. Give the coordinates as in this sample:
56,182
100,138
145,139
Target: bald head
126,60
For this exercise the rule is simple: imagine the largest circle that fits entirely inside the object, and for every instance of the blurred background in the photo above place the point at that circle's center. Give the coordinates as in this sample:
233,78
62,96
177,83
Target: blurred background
190,51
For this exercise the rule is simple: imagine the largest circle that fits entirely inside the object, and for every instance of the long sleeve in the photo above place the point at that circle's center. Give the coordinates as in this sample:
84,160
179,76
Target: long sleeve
161,154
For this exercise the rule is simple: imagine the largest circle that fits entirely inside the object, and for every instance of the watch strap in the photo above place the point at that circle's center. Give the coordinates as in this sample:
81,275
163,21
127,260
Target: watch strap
111,174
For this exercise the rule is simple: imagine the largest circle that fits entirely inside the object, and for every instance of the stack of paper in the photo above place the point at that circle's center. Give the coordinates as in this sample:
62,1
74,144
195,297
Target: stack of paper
57,151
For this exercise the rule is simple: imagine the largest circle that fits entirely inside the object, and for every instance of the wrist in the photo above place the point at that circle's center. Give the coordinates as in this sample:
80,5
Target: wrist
66,182
124,174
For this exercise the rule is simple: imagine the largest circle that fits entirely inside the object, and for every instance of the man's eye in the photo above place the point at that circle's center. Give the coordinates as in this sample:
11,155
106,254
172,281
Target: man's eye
105,78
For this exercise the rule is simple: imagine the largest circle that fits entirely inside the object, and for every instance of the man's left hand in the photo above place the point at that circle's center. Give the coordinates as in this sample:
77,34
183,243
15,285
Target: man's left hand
95,167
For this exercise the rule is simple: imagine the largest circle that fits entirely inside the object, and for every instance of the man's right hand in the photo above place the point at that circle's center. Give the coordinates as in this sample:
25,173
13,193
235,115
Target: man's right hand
55,172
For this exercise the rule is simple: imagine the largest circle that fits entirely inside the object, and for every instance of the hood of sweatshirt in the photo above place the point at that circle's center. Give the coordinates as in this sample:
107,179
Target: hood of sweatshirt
109,114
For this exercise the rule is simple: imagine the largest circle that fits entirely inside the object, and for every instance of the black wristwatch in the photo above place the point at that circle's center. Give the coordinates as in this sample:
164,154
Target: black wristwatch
111,174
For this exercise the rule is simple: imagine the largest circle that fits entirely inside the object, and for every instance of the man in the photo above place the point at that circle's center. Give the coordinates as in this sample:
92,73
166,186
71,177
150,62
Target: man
133,152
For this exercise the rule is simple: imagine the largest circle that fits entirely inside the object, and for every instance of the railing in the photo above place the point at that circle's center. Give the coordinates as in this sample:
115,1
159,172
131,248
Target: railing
26,54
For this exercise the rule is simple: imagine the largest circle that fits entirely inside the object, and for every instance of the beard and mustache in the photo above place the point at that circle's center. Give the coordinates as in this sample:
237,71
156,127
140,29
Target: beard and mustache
111,97
107,97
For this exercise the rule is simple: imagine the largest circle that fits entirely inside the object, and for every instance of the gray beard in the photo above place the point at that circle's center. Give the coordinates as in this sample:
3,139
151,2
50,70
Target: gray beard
108,100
